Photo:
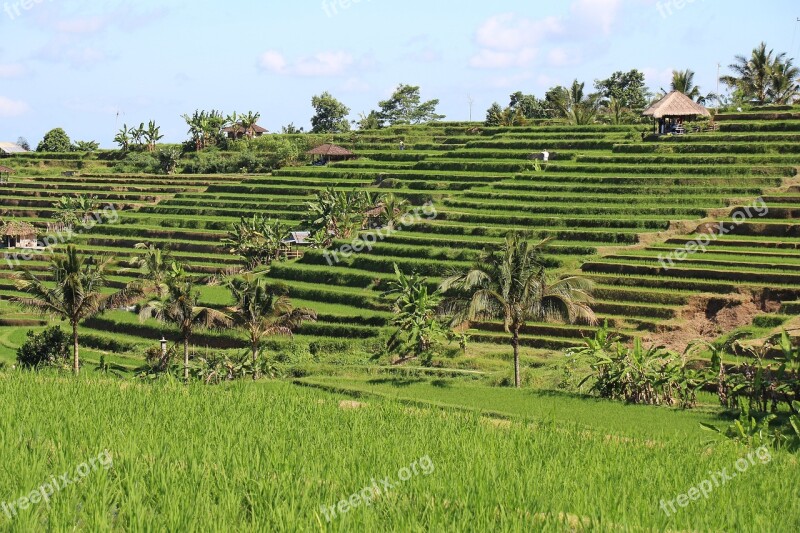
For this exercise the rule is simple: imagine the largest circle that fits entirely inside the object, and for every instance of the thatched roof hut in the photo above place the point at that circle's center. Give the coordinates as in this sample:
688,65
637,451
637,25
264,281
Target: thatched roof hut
15,234
331,150
676,105
17,229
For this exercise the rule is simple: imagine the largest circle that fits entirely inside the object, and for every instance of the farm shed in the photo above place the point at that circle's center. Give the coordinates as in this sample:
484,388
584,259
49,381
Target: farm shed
670,112
326,153
18,235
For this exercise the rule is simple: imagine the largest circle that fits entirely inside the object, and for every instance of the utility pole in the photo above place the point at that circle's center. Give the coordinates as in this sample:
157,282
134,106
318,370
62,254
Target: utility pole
471,101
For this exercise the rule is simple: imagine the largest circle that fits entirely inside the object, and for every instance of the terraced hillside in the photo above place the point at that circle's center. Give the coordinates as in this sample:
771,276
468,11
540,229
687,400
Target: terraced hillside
614,204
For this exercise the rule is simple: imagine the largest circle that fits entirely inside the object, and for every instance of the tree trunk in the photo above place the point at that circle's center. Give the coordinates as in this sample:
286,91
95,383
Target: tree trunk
515,344
76,360
186,358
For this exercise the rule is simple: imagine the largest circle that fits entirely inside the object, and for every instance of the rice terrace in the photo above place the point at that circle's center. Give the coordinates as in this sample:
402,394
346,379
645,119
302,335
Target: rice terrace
402,307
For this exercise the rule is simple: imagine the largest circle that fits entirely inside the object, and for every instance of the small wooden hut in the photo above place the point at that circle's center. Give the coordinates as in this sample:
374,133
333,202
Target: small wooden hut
327,153
670,112
18,235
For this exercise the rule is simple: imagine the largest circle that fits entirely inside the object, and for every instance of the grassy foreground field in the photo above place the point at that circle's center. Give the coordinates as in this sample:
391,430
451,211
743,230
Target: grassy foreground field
261,457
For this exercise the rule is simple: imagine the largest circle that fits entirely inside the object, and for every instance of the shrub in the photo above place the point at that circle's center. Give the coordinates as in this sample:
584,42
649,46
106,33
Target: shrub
48,348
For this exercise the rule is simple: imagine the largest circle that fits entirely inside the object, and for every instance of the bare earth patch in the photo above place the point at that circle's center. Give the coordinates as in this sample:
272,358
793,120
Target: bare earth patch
707,317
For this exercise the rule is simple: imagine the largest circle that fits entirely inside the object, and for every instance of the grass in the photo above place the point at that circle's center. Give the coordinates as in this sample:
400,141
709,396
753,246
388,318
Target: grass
256,457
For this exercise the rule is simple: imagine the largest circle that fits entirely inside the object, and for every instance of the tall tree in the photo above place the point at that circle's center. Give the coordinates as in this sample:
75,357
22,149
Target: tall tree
330,115
574,104
74,292
263,310
513,286
753,76
406,107
784,85
180,306
683,81
56,141
155,266
623,92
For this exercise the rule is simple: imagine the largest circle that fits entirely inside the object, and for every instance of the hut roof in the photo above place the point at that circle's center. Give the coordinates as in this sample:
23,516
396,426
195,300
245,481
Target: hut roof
330,149
239,129
17,229
676,104
6,170
11,148
298,237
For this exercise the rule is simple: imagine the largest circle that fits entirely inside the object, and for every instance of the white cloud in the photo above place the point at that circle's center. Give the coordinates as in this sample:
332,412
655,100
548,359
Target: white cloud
321,64
12,108
273,61
510,40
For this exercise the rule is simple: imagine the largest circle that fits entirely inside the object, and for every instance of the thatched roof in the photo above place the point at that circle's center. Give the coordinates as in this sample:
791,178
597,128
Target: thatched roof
676,104
330,150
6,170
239,129
17,229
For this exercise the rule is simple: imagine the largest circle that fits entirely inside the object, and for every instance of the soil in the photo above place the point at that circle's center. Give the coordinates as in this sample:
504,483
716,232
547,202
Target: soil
707,317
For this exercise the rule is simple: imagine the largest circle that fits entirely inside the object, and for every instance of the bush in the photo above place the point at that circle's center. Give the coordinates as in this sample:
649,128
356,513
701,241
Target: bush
48,348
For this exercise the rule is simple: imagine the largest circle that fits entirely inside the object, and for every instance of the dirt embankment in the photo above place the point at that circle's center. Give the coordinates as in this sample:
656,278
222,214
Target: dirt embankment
708,316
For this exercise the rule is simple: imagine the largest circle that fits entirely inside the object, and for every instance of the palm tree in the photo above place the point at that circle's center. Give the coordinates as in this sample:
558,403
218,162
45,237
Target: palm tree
155,266
513,286
75,292
263,310
574,104
784,84
180,307
683,81
752,76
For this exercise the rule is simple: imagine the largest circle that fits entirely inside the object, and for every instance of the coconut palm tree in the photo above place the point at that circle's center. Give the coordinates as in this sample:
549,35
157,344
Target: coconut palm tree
574,104
784,85
74,293
155,266
180,307
752,75
513,286
263,310
683,81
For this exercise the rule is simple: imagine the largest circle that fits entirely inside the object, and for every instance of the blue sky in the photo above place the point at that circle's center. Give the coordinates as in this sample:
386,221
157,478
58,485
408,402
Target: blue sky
77,65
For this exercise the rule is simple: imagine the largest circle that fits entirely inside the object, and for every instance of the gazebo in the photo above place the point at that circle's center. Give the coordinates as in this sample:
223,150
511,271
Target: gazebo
18,235
670,112
5,173
331,152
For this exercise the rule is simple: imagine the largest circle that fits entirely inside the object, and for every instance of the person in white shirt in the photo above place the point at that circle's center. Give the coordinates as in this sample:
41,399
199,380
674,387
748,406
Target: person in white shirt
545,156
